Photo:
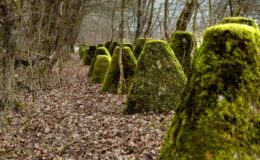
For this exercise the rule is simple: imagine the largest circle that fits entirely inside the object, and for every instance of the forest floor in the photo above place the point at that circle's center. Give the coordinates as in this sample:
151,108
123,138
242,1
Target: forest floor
75,122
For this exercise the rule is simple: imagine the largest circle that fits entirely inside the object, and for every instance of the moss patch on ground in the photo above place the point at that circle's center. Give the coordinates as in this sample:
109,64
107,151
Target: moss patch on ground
158,82
99,51
240,20
112,79
101,67
182,45
219,116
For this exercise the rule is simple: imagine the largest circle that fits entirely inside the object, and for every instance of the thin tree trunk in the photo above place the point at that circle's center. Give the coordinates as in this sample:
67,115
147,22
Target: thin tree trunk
112,23
210,13
139,16
186,15
150,19
230,7
166,16
8,27
121,85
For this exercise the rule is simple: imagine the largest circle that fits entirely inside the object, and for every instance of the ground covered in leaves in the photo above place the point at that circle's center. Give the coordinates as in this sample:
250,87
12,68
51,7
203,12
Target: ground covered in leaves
75,122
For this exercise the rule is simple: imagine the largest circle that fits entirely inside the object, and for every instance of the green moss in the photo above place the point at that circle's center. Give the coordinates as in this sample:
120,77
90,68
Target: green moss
139,46
101,67
113,47
84,57
158,82
240,20
182,45
108,44
129,45
82,51
219,116
89,55
99,51
112,79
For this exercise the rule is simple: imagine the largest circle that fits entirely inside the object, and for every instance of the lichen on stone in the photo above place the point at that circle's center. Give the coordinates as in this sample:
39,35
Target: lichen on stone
240,20
112,79
158,81
101,67
99,51
182,45
219,115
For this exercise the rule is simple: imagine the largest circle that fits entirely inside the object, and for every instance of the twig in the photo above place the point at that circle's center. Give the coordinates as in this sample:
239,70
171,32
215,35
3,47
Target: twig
66,146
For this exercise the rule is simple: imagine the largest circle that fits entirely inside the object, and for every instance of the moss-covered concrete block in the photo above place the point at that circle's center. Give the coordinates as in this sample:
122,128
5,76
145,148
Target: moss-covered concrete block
158,82
100,45
82,50
129,64
84,57
101,67
219,117
129,45
240,20
108,44
182,45
90,54
99,51
139,46
113,47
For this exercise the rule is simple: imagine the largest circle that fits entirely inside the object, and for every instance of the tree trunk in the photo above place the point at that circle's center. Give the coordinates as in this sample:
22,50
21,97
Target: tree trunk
149,24
186,15
8,49
210,13
139,16
230,7
121,84
165,22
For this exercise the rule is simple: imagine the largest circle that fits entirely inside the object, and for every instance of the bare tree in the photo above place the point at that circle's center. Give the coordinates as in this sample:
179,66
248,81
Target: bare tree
8,51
